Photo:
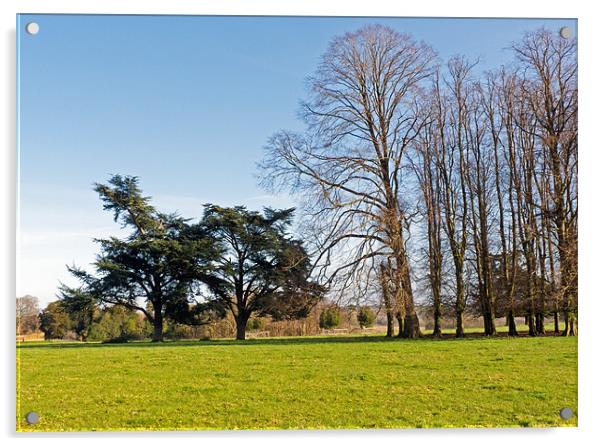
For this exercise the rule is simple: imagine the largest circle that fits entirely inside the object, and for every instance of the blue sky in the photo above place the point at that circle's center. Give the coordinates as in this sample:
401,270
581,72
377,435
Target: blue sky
184,102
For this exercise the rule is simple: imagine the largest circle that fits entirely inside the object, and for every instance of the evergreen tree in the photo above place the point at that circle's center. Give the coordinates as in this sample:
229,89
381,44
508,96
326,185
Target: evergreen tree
366,317
159,263
54,321
261,270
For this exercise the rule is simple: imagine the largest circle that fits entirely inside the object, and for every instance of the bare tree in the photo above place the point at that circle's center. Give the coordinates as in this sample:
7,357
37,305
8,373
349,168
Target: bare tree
429,182
28,310
500,109
550,94
479,174
450,117
362,115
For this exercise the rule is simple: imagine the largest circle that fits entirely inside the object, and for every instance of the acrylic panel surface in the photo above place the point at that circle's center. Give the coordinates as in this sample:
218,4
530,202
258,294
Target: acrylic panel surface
296,223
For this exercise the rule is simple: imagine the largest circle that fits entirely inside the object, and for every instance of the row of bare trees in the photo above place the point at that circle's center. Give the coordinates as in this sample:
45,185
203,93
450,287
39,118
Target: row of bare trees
416,175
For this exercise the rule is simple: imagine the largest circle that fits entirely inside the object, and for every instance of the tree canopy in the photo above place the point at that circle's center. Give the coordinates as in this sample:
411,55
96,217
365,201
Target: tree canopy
54,321
261,269
168,268
159,263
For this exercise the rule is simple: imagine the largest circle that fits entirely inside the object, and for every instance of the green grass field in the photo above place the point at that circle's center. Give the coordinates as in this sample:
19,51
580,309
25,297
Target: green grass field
297,383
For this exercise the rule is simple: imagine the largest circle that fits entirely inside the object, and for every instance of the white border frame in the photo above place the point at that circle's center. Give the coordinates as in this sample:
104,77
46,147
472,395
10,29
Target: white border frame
590,371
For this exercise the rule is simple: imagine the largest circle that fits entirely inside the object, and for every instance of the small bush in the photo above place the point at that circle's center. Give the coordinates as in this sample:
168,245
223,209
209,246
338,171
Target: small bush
178,331
255,324
366,317
330,318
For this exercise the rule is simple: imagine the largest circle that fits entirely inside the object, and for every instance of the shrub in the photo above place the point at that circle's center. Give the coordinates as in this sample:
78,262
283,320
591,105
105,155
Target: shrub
255,324
177,331
118,323
330,318
366,317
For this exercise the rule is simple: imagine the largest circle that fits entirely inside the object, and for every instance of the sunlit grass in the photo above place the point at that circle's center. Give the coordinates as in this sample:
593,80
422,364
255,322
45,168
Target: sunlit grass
298,383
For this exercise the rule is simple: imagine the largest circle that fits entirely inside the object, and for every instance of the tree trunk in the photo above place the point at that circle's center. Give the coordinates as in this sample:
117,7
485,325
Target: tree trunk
531,323
437,321
411,326
540,324
556,323
390,324
488,319
460,303
530,298
241,326
399,324
569,324
512,331
385,278
489,298
157,322
459,323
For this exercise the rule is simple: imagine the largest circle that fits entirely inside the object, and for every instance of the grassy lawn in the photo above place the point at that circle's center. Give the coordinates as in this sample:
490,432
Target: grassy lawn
298,383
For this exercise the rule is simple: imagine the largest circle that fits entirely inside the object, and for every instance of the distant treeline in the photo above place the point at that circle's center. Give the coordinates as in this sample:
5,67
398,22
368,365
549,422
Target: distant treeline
119,324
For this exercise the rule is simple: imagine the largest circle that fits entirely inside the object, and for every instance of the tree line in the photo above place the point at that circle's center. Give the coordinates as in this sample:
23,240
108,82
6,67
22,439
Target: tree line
418,174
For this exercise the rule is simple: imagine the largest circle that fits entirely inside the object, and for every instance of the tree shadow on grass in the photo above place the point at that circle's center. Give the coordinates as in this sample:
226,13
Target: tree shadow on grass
281,341
213,342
